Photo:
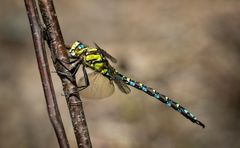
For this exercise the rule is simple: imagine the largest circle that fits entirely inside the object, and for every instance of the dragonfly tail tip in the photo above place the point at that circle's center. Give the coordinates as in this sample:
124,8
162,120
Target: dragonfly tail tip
200,123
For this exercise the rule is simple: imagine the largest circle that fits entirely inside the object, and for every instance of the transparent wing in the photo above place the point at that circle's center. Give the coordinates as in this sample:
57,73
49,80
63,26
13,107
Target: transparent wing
122,86
100,87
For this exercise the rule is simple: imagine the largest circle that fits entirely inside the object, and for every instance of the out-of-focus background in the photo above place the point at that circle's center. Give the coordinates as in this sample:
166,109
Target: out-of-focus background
188,50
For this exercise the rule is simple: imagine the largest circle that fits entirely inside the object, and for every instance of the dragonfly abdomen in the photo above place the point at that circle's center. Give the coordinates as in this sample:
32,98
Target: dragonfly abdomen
162,98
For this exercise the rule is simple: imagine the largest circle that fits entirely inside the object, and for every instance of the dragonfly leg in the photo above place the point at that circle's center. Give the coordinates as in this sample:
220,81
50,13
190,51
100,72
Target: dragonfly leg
80,88
74,65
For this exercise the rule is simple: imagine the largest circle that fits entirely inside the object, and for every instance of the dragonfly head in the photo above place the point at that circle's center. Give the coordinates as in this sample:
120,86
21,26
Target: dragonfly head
77,49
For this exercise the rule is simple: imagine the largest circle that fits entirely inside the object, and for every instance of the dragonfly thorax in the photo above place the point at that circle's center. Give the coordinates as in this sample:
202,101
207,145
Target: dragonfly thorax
95,61
91,57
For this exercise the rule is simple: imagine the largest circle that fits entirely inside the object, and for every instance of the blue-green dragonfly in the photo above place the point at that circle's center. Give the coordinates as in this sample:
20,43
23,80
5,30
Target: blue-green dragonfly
99,84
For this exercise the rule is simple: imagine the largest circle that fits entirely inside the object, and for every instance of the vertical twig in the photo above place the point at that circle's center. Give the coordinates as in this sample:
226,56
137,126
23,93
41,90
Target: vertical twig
41,56
59,54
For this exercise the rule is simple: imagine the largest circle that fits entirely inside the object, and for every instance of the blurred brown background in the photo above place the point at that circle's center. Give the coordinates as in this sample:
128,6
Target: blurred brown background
188,50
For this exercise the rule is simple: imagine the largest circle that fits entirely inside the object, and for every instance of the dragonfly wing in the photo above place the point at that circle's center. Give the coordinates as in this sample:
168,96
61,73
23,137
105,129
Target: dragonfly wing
100,87
114,60
122,86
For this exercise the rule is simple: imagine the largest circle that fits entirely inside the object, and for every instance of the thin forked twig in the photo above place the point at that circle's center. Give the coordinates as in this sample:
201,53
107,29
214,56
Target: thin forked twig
37,35
59,54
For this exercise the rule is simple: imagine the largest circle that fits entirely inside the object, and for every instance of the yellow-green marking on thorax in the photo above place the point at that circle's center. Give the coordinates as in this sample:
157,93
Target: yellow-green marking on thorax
97,62
92,58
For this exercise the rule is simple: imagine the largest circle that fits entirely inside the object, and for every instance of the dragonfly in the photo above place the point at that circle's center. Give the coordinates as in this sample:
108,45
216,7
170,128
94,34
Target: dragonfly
100,82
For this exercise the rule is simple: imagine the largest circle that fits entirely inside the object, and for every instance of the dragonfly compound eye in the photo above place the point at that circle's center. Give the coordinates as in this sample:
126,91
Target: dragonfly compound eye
81,46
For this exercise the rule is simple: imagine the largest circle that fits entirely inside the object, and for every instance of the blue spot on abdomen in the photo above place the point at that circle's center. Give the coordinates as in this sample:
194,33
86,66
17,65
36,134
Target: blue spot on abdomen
169,103
179,110
157,96
132,83
144,89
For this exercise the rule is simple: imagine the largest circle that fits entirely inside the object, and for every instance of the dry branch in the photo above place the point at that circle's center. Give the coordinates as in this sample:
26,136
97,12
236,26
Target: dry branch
60,59
37,35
